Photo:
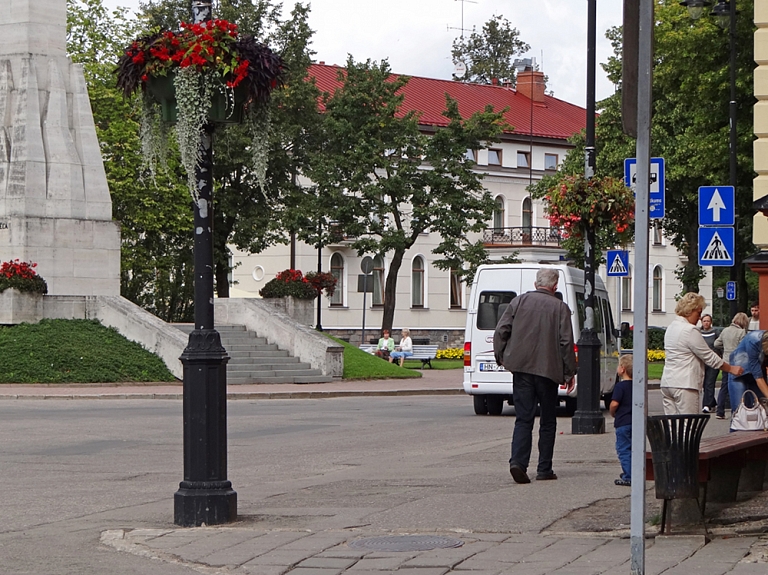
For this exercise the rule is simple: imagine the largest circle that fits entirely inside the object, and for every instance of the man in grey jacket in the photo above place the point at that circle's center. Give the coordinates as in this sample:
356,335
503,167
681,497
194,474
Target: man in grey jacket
534,341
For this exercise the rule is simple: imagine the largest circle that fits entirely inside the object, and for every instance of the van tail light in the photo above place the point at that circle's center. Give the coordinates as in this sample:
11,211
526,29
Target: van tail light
467,353
576,351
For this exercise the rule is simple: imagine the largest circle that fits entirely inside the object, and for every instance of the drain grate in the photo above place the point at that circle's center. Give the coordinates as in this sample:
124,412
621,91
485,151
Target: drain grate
406,543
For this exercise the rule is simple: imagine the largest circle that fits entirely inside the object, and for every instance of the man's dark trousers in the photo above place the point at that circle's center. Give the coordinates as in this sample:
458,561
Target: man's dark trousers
527,391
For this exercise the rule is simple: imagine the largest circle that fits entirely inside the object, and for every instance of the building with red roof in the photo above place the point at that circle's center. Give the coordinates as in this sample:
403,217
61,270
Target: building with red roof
432,302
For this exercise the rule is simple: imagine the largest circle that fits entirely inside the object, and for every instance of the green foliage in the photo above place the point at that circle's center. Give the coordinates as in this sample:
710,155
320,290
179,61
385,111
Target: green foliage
690,123
370,182
359,364
655,339
74,351
490,53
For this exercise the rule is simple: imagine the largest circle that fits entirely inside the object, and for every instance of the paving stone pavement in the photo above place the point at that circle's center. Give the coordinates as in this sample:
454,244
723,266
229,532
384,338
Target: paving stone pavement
249,551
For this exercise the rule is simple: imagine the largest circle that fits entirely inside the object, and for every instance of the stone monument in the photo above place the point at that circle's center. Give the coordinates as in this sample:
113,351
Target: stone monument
55,207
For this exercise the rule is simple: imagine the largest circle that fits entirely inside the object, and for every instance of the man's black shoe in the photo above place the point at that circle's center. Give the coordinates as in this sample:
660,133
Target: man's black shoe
519,474
546,476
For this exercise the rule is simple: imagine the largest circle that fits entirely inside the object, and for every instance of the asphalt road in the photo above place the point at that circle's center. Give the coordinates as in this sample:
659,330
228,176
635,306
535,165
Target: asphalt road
73,469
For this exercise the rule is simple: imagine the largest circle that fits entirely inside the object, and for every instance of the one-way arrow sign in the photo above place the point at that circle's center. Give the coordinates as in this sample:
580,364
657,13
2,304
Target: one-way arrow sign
717,206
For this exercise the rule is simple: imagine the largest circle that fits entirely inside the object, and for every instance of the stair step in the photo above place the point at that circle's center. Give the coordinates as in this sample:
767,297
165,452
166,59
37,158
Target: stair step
244,371
268,348
281,360
280,379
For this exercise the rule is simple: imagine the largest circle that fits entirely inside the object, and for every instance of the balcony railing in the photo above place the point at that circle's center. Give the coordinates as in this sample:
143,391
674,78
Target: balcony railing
522,236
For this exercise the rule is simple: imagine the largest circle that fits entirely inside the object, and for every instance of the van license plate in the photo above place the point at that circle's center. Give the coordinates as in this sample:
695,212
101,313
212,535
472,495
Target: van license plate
491,367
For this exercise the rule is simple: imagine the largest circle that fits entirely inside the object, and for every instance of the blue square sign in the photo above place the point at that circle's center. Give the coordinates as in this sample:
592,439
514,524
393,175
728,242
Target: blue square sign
717,206
617,262
716,246
657,184
730,291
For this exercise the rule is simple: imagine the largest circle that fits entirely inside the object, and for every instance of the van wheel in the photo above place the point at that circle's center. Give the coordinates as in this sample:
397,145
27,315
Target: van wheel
570,405
495,404
481,407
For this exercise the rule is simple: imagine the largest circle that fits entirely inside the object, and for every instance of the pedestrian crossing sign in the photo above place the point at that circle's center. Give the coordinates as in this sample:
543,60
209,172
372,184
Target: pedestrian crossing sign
617,262
716,246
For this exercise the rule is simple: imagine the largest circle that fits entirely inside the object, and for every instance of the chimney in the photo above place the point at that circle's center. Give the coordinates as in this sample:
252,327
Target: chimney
494,81
531,84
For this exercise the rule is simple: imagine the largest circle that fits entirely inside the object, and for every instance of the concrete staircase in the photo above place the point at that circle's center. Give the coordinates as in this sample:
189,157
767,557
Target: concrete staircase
254,360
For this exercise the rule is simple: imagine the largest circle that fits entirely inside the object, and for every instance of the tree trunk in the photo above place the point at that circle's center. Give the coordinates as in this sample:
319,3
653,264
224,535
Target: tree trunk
390,289
691,274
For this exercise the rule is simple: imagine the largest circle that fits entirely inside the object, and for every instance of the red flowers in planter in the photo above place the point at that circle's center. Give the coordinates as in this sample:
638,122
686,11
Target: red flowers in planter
294,283
21,276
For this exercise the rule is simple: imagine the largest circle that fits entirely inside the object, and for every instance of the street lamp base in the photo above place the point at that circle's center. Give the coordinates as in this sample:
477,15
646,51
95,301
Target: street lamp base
587,423
212,504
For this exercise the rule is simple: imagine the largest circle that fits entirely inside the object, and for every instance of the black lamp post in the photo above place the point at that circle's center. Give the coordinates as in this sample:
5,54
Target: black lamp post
588,418
725,13
205,495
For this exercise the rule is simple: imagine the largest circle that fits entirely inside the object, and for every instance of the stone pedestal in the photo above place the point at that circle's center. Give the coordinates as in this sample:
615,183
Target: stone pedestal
55,208
20,307
299,310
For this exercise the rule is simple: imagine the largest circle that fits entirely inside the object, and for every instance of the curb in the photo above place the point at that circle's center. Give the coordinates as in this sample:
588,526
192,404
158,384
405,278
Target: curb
247,395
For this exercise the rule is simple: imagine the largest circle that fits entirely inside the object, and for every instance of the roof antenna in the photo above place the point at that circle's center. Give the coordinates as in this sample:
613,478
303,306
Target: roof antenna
462,17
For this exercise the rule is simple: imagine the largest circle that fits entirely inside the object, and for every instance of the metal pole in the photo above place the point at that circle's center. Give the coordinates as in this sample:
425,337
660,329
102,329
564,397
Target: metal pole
319,326
365,292
205,495
588,418
734,271
640,346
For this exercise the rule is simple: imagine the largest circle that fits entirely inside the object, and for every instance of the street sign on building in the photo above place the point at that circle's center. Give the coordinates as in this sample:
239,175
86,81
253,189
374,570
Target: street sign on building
617,262
717,206
658,184
730,291
716,246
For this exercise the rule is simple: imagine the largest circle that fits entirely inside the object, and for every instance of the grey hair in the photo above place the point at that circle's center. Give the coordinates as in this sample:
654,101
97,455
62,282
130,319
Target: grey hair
741,320
405,330
546,278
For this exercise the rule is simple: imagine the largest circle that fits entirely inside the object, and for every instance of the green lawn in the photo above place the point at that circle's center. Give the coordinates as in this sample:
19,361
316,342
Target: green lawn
74,351
654,369
361,365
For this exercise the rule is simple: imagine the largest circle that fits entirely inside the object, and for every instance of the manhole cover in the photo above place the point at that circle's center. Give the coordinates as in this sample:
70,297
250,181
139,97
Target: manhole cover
406,543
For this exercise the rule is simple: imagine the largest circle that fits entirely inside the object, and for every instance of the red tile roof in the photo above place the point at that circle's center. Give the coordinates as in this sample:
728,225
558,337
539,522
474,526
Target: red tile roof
552,118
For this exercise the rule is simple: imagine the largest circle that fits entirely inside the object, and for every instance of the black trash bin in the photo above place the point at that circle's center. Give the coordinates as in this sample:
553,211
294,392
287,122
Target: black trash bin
675,443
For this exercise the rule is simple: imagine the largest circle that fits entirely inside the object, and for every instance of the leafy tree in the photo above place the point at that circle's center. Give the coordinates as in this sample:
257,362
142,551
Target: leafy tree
244,214
156,218
384,182
690,128
490,53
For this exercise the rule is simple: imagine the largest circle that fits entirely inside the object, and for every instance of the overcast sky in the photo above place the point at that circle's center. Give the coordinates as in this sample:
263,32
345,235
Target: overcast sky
416,35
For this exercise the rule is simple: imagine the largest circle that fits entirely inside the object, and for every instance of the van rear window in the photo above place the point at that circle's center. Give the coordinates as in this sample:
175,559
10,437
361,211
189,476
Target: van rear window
491,306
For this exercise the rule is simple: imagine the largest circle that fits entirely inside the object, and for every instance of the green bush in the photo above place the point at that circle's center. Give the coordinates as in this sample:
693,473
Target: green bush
74,351
655,339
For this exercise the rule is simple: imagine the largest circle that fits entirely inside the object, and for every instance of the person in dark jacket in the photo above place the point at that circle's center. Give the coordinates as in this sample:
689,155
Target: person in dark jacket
534,341
709,334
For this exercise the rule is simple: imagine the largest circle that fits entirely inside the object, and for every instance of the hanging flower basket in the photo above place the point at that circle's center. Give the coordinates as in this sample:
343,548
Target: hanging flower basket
202,73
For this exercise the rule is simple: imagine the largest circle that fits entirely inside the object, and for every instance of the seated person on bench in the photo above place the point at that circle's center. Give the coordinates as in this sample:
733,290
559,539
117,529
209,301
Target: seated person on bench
405,349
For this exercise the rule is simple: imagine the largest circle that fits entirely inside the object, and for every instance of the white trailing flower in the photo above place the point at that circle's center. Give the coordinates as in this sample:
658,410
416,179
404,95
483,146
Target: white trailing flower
194,92
153,135
258,122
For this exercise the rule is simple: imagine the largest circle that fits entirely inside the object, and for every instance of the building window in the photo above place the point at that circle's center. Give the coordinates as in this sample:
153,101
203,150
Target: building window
626,291
657,235
456,290
550,161
527,213
498,214
658,282
337,270
523,160
494,157
470,155
378,281
417,282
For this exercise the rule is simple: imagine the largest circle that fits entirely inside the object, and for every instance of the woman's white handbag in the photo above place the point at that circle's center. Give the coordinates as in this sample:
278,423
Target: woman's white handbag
750,418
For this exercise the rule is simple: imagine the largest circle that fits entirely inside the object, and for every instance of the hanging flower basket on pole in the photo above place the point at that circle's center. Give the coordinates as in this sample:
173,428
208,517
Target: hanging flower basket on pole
204,73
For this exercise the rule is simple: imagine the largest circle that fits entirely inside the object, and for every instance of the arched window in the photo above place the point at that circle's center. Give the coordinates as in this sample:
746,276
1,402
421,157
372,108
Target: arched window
457,301
626,291
337,270
417,282
658,283
378,280
498,214
527,220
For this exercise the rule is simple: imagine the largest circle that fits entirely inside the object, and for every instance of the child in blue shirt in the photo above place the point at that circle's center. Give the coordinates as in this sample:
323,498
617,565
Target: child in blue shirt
621,410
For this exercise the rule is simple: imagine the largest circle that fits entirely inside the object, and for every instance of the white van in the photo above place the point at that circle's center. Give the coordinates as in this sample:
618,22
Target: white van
494,287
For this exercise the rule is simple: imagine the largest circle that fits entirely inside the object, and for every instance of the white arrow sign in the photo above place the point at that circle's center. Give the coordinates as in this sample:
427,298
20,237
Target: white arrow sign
716,204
